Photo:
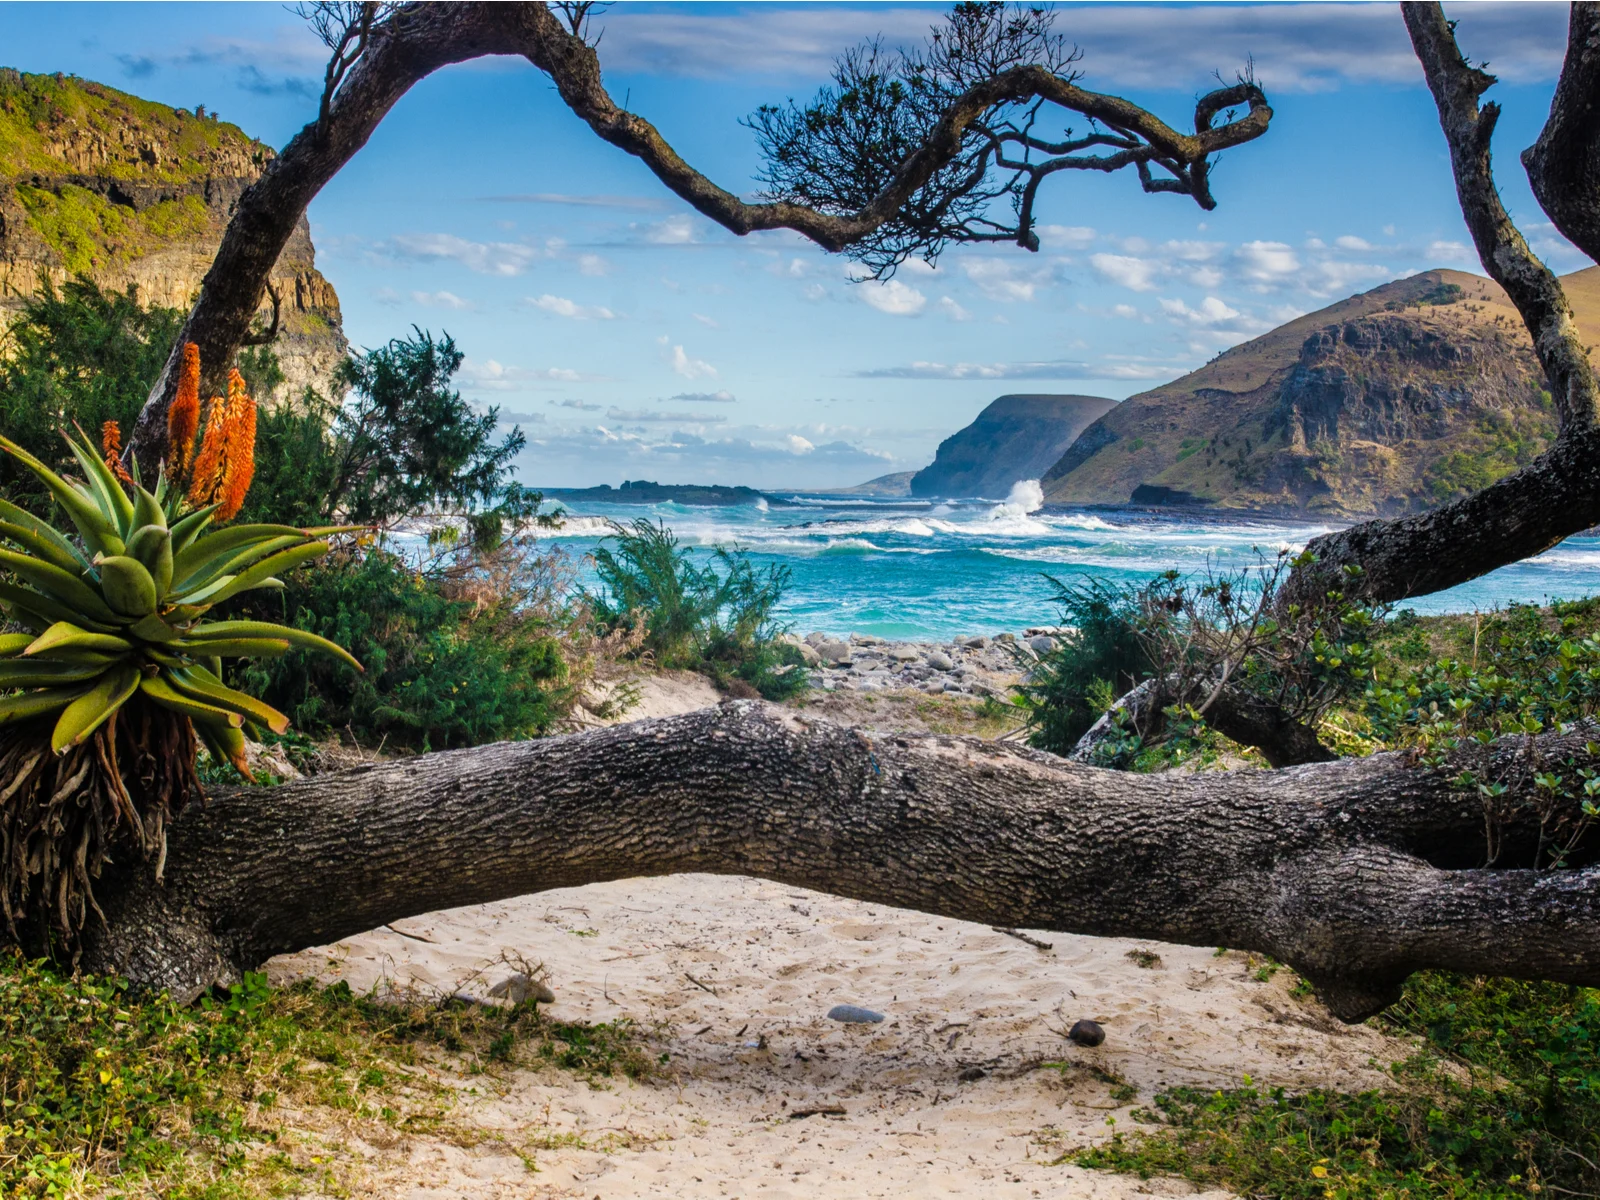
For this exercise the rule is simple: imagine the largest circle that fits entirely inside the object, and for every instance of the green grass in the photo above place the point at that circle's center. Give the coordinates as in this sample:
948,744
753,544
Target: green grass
1501,1100
106,1093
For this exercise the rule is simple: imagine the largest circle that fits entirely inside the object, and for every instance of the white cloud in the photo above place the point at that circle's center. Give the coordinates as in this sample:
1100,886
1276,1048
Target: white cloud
1265,263
799,445
1303,47
580,405
1071,237
490,375
705,397
1021,370
656,416
1127,312
689,368
487,258
895,298
562,307
593,265
1350,242
1212,311
676,230
953,310
705,320
1005,279
1136,274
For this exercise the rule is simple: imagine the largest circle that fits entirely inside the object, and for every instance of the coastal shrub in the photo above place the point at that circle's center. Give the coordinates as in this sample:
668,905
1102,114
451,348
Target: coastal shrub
1502,1099
465,651
106,1092
77,355
1100,659
694,617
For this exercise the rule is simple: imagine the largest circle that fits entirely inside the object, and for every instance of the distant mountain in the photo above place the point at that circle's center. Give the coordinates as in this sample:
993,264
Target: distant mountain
96,182
1389,402
888,486
1016,437
642,491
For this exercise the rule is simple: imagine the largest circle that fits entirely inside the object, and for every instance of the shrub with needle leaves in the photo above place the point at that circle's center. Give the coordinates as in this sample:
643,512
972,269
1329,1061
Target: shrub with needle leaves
117,671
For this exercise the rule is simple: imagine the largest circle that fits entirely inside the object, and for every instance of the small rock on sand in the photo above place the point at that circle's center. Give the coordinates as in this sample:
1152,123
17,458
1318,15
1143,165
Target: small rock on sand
1087,1033
852,1015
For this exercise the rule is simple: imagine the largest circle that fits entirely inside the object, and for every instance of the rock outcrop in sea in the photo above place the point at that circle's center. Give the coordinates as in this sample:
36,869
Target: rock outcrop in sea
1016,437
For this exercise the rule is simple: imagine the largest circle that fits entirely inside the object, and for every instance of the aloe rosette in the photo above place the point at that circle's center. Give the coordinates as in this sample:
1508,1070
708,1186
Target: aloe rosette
123,615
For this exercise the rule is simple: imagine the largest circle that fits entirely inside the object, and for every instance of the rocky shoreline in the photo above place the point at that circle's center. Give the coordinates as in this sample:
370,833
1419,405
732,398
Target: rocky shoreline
976,666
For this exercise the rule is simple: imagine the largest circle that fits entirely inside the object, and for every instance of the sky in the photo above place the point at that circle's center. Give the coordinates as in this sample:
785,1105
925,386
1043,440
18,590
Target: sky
631,338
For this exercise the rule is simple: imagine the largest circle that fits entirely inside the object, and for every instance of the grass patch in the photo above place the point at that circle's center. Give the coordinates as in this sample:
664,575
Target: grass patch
1501,1100
106,1093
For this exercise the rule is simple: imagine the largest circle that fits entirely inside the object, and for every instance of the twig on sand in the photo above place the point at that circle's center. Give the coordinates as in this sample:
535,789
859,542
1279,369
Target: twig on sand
827,1110
704,987
1022,937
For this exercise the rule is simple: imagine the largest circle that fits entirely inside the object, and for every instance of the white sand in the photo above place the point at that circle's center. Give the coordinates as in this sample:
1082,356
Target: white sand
956,996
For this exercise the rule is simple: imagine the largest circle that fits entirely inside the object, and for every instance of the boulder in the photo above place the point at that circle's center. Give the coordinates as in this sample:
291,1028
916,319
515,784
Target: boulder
940,661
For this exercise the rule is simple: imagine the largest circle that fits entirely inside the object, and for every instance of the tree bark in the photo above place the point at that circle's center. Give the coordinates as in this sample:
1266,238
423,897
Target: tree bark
1558,494
420,38
1356,873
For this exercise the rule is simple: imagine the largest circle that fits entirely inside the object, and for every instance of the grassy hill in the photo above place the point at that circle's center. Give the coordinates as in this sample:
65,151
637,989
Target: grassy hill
128,192
1388,402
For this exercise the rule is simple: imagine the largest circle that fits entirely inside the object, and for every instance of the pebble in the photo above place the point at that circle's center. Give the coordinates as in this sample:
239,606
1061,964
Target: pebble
852,1015
904,653
940,661
1087,1033
1043,644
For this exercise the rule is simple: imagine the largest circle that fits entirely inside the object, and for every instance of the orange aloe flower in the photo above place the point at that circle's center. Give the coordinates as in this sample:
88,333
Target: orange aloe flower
239,455
183,418
111,449
208,464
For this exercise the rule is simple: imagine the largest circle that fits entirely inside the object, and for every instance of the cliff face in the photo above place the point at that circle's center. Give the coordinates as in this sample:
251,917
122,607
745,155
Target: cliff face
1389,402
128,192
1016,437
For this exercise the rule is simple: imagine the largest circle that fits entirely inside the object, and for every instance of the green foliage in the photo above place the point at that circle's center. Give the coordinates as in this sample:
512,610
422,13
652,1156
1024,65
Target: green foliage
103,1091
692,617
1100,660
1503,1100
453,657
78,356
406,442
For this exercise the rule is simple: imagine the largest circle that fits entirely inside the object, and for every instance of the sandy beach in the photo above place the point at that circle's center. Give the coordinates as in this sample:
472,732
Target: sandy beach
967,1085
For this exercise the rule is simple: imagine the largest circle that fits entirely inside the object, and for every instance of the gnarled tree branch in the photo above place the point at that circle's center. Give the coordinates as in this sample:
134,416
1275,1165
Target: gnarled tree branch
414,40
1558,494
1356,873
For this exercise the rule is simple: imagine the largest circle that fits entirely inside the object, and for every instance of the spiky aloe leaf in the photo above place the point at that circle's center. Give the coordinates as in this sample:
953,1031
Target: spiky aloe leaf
213,631
202,685
69,589
104,486
92,709
98,531
64,635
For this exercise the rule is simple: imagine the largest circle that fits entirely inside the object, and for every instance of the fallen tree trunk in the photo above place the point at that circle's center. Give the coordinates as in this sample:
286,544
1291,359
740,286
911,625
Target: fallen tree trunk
1356,873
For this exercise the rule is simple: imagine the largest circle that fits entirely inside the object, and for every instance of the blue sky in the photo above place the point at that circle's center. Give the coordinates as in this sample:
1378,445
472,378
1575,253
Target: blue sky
633,339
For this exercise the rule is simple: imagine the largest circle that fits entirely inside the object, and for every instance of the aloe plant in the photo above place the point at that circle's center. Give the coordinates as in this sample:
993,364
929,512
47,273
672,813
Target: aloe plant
124,614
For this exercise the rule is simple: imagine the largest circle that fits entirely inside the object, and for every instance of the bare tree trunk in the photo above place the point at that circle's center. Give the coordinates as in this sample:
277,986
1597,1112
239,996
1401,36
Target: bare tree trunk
1356,873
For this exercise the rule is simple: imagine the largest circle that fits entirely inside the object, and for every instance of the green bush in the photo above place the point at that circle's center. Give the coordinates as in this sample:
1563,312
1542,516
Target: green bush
79,355
694,618
1072,685
464,654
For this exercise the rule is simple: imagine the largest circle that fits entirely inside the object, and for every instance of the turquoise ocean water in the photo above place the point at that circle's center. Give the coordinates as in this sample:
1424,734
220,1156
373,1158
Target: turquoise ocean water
918,570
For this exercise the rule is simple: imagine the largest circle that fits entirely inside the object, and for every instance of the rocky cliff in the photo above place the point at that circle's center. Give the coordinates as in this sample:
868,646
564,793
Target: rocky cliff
1388,402
1016,437
96,182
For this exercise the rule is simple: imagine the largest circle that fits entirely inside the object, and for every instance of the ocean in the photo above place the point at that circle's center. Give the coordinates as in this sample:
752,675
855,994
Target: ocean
932,570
